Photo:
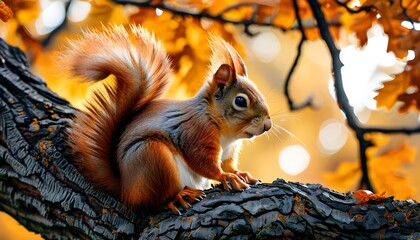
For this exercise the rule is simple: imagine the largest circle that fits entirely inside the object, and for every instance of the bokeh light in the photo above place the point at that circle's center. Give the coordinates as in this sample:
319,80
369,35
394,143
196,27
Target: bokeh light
294,159
53,14
78,11
411,55
266,46
159,11
332,136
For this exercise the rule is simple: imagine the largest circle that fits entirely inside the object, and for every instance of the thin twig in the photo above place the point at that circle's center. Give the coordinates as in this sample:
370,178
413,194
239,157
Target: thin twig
357,10
407,131
308,102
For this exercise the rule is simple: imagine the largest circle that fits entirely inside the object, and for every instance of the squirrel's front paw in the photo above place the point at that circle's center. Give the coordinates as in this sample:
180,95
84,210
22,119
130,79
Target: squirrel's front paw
234,180
185,197
247,177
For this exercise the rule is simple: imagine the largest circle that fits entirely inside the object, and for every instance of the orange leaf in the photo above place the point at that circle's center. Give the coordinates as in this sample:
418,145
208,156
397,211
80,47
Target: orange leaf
358,23
365,196
384,165
405,87
5,12
384,162
390,91
345,176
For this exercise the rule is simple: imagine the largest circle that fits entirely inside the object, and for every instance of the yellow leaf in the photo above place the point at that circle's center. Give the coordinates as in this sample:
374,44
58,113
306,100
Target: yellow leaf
405,87
384,172
25,12
104,11
5,12
285,17
358,23
312,33
383,169
390,91
345,177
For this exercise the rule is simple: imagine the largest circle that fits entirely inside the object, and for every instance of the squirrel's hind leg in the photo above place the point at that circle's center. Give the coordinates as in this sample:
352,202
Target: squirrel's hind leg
184,198
151,177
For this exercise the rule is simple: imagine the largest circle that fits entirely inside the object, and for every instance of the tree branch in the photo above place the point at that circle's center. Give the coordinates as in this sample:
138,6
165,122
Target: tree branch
342,99
41,189
252,20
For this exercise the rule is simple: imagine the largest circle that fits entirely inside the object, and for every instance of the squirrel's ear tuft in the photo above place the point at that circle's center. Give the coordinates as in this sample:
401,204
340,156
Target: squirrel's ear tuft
223,52
224,75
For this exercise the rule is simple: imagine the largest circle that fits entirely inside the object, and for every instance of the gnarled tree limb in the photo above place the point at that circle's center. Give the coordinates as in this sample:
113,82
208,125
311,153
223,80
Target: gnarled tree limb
45,193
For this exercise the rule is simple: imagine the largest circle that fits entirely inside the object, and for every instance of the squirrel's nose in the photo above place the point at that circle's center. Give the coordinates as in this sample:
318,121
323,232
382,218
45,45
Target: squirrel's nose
267,124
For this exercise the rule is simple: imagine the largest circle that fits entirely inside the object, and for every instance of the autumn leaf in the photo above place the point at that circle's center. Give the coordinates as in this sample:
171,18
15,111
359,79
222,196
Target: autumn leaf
383,169
24,12
404,87
358,23
365,196
345,177
286,15
5,12
391,90
104,11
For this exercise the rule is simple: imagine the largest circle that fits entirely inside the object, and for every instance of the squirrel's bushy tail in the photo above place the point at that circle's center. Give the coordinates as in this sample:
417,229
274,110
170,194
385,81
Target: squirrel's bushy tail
141,69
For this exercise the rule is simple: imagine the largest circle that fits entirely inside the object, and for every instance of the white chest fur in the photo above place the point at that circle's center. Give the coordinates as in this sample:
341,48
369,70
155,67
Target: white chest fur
189,177
229,147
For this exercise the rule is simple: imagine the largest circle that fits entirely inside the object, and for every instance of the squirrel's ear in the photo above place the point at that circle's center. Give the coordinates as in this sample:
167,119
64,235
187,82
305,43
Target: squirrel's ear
224,75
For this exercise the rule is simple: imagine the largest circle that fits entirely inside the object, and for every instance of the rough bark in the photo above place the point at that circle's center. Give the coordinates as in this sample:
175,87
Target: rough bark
45,193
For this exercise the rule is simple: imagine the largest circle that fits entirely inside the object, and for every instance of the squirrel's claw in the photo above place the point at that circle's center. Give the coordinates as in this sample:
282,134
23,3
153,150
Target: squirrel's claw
234,180
172,207
185,197
247,177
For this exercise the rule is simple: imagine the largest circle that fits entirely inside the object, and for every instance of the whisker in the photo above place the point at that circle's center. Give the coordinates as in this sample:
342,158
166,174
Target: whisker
279,112
290,134
285,117
266,135
267,94
279,120
276,132
271,140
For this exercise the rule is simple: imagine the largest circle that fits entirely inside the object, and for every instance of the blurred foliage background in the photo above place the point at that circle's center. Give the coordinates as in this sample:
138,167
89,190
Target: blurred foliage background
380,42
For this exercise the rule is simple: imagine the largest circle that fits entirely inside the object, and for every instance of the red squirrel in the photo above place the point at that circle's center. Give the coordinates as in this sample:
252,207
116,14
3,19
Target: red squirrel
150,151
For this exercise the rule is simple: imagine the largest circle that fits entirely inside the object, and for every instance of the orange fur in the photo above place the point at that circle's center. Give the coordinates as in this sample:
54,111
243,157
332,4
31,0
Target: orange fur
141,74
229,165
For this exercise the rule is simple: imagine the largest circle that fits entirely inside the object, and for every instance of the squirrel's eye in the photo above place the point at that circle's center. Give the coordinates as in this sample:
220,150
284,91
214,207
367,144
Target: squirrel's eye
240,102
